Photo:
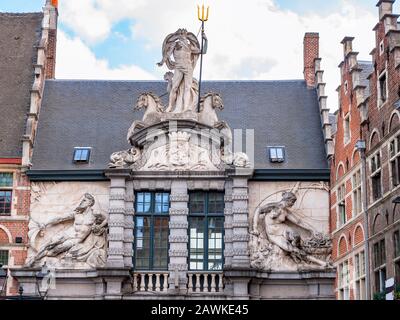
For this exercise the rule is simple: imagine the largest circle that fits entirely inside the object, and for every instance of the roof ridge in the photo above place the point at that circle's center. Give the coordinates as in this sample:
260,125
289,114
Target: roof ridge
18,14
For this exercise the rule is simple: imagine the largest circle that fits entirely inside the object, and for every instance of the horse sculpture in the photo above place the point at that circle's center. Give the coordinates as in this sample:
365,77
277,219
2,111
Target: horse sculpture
208,115
152,104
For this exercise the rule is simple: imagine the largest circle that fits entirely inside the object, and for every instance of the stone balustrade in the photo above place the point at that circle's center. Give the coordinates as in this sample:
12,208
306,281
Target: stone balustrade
150,281
205,282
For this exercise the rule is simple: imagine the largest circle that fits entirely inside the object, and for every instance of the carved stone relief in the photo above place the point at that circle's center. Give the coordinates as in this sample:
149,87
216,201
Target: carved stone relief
68,228
285,236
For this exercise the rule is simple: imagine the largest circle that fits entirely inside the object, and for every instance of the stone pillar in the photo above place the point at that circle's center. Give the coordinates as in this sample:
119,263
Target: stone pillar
178,238
240,224
116,233
238,273
228,238
129,225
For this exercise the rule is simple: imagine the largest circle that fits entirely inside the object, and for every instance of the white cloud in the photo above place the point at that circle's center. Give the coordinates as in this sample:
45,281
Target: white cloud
254,34
75,60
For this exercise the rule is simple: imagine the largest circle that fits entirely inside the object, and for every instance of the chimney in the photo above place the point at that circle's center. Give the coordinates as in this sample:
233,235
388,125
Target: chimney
311,52
385,7
51,13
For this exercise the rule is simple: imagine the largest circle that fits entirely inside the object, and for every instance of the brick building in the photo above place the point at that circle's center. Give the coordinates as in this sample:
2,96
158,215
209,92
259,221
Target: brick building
27,45
365,176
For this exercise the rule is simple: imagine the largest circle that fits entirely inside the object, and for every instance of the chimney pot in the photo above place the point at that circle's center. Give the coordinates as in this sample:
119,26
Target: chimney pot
385,7
311,52
347,45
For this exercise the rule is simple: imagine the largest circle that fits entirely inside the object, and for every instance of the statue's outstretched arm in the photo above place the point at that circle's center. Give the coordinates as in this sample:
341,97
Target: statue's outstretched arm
57,220
166,55
297,221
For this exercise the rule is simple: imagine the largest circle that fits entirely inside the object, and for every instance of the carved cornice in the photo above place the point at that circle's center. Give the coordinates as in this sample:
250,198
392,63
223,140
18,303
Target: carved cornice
130,198
178,212
130,212
178,239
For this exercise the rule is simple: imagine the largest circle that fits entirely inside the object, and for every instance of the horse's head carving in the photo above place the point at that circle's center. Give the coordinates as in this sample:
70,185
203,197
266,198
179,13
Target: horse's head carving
148,99
216,101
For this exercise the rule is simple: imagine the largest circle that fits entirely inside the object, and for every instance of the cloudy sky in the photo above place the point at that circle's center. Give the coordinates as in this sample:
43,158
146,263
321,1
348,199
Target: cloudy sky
252,39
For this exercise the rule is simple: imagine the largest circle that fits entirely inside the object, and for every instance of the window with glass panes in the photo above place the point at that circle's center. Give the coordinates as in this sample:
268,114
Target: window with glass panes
380,265
344,281
396,240
342,205
206,231
3,257
357,206
395,161
151,230
376,177
359,262
6,185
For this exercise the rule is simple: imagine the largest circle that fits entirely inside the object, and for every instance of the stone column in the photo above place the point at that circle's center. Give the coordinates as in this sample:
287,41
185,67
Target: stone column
240,238
178,238
228,238
240,224
129,224
115,257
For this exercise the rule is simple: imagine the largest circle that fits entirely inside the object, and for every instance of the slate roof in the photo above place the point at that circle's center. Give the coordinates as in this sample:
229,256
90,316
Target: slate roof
367,68
19,34
98,114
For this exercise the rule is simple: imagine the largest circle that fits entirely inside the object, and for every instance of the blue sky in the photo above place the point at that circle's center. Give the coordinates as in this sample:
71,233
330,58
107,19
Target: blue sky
117,48
252,39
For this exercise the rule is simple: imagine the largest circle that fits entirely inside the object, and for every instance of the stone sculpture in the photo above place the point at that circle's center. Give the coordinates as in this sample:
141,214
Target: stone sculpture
180,146
152,104
180,153
185,50
123,159
83,243
277,244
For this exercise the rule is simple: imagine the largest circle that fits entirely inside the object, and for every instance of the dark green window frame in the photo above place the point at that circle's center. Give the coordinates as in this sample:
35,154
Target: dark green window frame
152,228
3,257
204,209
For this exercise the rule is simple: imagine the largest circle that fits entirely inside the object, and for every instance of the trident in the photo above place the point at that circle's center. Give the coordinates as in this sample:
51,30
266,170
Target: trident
203,17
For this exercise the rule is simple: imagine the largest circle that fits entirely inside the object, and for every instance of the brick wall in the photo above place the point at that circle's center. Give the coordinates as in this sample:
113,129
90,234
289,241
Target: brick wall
16,224
311,52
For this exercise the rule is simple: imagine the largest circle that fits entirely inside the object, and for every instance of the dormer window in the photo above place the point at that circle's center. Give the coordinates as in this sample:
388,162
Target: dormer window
276,154
82,155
